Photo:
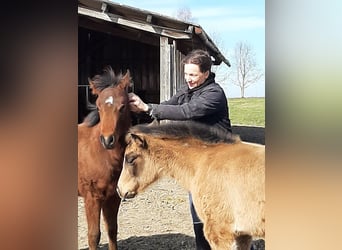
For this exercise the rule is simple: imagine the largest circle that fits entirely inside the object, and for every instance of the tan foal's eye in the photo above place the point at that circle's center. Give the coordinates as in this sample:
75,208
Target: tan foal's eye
130,158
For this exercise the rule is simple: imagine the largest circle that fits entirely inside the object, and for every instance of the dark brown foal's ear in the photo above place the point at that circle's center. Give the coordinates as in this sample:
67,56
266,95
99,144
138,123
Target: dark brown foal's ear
139,140
94,91
126,81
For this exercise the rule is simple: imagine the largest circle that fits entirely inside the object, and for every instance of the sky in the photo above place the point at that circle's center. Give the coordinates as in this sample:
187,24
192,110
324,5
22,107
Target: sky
231,21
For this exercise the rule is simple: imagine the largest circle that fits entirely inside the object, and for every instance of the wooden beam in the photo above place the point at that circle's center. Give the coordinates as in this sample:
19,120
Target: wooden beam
104,7
104,27
149,18
163,31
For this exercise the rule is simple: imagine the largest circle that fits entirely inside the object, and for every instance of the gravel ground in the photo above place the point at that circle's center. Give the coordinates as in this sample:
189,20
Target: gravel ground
159,218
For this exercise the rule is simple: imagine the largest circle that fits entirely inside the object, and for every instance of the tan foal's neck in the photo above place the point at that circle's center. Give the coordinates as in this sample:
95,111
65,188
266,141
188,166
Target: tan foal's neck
174,160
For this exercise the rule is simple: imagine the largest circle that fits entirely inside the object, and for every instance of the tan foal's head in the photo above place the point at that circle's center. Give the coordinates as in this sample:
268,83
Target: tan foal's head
138,169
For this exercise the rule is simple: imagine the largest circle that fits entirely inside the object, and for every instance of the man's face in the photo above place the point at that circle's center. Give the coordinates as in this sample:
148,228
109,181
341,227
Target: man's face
193,76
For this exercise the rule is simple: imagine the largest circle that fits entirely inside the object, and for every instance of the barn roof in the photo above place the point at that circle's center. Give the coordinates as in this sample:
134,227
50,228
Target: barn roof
145,26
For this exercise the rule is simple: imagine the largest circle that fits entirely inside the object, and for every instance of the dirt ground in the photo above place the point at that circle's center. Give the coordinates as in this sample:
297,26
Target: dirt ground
159,218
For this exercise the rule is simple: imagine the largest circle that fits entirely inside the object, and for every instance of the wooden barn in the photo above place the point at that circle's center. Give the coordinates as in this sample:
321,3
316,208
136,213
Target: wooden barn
148,44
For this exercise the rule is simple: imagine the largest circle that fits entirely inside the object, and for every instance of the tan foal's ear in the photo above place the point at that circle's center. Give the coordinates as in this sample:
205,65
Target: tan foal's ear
139,140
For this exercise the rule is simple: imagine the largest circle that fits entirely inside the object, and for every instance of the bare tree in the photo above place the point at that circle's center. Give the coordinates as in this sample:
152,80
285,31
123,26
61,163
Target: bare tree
223,72
184,14
247,72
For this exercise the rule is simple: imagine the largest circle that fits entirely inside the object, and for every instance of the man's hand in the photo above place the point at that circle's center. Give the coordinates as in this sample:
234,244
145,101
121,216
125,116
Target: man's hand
136,104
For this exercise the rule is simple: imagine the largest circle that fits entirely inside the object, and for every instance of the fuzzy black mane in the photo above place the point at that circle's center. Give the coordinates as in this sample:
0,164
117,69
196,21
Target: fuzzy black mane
107,79
92,118
186,129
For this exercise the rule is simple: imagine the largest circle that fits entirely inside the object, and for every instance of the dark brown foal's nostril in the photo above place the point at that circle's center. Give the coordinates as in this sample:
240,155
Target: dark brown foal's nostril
108,141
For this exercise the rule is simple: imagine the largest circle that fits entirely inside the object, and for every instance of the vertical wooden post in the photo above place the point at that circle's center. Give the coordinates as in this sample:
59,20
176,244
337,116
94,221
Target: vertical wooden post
179,76
165,69
174,68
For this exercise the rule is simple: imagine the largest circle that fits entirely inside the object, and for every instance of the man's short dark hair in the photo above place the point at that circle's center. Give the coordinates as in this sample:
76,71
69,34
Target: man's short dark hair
200,58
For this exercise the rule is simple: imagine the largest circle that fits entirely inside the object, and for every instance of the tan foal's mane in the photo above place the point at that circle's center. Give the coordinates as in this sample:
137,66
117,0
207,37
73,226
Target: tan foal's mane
187,129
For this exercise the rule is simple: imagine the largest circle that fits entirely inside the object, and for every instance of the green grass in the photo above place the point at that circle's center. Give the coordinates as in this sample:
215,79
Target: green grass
247,111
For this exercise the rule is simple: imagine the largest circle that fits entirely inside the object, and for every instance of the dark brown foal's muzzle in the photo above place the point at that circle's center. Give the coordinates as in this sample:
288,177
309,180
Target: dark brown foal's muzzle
107,142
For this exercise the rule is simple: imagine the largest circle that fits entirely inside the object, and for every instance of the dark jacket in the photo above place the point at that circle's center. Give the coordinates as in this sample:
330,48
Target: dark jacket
206,103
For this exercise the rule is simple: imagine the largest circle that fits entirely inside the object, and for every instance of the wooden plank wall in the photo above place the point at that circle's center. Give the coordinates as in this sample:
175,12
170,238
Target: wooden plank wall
97,49
171,69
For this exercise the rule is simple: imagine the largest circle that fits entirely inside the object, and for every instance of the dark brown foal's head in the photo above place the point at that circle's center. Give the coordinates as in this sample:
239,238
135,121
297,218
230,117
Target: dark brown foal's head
112,105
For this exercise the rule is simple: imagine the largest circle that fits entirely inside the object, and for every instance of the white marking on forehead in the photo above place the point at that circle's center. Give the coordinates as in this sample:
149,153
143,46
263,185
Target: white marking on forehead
109,100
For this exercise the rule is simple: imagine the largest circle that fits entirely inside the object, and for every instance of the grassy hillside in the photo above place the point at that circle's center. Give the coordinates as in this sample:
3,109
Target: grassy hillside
247,111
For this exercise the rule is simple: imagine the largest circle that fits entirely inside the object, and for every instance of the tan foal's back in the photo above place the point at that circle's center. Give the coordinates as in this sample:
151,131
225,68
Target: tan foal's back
229,188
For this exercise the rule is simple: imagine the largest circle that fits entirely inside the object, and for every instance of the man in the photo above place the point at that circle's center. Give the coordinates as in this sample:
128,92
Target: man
202,100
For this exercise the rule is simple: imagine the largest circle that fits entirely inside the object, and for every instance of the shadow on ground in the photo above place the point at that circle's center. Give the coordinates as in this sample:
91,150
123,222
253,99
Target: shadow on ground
159,241
155,242
164,242
250,134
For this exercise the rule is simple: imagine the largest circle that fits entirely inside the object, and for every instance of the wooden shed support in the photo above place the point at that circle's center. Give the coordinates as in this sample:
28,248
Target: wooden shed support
165,69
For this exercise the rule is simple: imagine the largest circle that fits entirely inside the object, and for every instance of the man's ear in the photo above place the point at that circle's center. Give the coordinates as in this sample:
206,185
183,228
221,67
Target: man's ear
207,74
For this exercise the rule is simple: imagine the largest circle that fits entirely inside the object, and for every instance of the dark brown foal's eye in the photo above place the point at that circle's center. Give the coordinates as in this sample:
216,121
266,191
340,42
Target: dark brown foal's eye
122,108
